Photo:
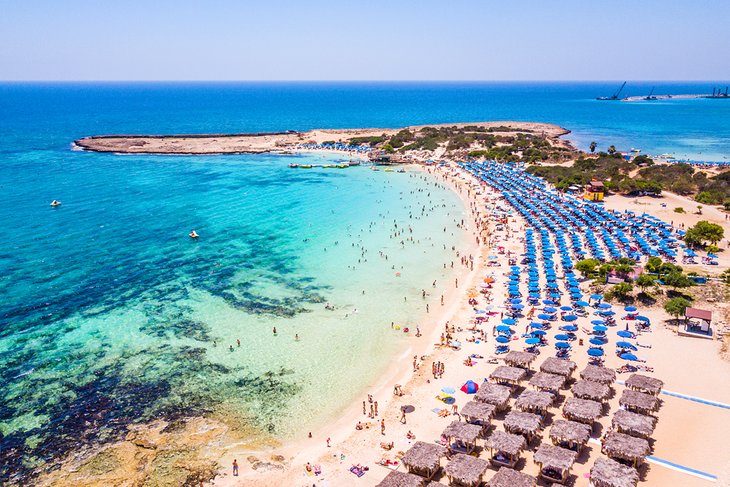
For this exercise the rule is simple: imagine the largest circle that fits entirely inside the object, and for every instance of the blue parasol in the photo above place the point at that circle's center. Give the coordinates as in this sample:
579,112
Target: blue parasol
629,356
502,339
595,352
570,318
625,334
562,345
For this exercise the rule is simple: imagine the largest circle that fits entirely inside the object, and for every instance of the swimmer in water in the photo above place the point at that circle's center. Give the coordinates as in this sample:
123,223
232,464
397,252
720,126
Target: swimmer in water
193,234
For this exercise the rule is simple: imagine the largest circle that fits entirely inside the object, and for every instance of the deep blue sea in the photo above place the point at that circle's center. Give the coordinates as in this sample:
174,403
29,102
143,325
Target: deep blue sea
111,315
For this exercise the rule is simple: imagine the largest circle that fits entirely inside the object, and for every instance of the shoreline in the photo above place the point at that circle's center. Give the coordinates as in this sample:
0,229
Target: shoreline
301,451
264,142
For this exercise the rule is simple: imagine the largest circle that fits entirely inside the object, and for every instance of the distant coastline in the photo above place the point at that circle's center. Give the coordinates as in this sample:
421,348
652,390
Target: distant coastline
264,142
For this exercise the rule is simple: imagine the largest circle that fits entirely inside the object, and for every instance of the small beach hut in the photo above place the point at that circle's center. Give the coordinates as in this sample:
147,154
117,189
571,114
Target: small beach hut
505,448
643,383
639,402
582,410
520,423
545,381
479,413
620,446
534,401
519,359
506,477
595,391
424,459
598,373
633,424
554,365
505,374
401,479
570,434
462,437
494,394
466,470
609,473
554,462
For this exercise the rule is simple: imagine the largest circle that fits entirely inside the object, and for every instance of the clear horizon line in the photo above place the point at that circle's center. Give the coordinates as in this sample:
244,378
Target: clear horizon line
361,81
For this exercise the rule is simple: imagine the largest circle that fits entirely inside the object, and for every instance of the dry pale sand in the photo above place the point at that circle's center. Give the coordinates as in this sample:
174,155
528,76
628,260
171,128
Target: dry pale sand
688,433
663,207
247,143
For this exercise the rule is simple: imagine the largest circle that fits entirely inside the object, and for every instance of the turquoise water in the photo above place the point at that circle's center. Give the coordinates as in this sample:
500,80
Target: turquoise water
112,315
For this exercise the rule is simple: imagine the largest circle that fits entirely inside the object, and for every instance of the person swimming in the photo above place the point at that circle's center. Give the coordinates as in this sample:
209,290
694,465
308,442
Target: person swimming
55,203
194,234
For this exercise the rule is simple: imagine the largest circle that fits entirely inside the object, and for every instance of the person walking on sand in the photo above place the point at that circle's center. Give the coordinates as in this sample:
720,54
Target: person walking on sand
376,407
403,415
364,411
382,426
235,467
328,442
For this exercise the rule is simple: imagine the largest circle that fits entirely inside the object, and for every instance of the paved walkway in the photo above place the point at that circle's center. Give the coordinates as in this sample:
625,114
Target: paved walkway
673,466
700,400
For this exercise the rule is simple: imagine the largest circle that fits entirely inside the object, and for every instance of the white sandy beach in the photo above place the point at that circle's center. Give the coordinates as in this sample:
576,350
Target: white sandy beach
688,433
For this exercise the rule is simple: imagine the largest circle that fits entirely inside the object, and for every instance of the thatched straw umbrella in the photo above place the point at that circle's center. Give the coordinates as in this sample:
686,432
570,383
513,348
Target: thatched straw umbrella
462,436
494,394
519,359
570,434
545,381
505,448
553,365
642,383
506,477
424,458
633,424
639,402
595,391
479,413
624,447
433,483
400,479
609,473
582,410
597,373
526,424
508,375
534,401
554,462
466,470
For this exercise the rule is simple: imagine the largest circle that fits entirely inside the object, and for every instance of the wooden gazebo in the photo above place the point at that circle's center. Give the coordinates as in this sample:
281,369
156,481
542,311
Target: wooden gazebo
505,448
545,381
582,410
610,473
554,462
466,470
494,394
570,434
424,459
554,365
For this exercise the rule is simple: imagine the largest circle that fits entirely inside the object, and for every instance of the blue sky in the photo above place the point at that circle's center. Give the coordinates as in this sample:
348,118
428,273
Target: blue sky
369,40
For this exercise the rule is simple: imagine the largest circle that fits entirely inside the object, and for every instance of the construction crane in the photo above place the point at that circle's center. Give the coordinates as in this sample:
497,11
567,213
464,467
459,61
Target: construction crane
614,96
651,96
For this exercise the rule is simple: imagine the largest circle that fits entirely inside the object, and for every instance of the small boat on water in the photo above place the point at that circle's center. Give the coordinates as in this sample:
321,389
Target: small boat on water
55,203
193,234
